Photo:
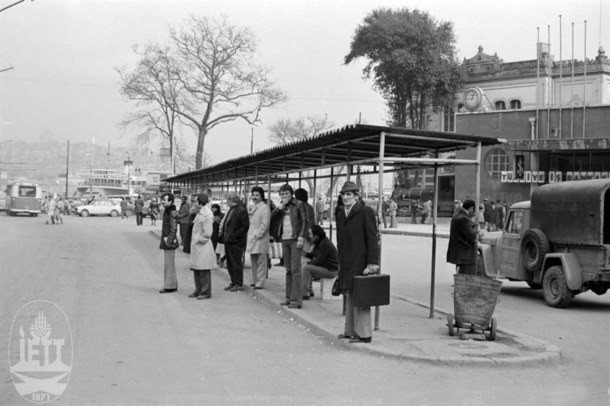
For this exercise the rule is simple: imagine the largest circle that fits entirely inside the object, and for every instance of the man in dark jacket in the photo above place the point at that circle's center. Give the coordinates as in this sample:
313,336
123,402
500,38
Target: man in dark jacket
463,234
183,217
324,261
288,222
139,209
233,233
358,255
169,243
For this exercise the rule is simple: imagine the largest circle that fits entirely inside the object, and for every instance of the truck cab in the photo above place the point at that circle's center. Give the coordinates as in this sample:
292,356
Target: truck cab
558,241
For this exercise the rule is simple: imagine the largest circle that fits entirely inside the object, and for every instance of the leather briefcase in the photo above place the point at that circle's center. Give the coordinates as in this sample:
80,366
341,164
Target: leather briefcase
371,290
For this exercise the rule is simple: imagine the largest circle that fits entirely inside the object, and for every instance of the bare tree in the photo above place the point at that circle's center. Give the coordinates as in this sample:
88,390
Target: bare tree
287,130
219,80
153,87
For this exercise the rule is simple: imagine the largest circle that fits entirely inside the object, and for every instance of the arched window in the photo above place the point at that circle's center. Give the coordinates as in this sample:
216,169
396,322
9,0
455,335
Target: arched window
515,104
496,161
500,105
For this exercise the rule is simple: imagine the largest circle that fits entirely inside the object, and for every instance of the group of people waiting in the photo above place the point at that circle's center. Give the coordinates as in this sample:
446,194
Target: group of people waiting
307,251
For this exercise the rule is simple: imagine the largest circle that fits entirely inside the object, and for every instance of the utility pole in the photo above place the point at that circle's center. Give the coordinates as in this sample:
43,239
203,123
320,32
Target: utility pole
128,164
67,166
252,141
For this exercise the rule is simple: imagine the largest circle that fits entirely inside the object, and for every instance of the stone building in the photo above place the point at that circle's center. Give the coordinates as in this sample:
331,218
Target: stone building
555,116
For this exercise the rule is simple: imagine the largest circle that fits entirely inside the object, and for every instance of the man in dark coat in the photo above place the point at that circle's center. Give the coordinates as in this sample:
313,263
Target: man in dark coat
169,243
463,234
139,209
488,213
234,234
358,255
183,217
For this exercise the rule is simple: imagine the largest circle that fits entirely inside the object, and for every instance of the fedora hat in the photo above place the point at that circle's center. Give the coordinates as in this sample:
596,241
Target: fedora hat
349,186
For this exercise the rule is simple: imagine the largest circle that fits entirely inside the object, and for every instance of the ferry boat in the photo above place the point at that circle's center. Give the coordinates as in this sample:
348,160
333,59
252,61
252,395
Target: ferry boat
109,182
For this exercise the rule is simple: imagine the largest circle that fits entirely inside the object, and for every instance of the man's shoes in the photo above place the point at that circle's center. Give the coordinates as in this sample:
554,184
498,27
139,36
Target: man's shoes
294,306
194,294
361,340
236,288
305,297
258,288
203,297
252,285
285,302
167,290
344,337
229,286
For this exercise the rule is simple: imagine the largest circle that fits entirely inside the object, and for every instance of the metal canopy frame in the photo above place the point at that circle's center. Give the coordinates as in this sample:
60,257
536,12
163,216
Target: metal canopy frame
349,146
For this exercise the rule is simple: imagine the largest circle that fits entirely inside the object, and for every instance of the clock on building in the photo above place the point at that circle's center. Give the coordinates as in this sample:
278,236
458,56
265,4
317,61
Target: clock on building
473,98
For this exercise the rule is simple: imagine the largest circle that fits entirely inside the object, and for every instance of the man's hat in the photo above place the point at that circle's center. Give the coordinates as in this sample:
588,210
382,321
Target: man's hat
349,187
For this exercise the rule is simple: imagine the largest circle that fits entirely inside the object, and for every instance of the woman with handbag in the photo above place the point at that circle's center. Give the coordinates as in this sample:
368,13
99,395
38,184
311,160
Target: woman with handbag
169,243
358,255
203,257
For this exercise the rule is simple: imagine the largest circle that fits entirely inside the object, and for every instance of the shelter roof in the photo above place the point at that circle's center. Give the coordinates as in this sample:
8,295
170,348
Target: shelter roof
352,144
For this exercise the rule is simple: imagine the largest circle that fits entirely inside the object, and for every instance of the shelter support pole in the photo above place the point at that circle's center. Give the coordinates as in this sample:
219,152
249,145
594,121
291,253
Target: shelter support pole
433,261
477,196
380,209
269,204
313,197
332,205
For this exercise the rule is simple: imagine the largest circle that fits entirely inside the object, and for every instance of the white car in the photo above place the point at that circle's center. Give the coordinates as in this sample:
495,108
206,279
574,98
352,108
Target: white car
99,208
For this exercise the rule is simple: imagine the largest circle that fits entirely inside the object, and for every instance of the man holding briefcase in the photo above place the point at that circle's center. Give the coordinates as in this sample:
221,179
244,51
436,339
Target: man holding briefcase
358,255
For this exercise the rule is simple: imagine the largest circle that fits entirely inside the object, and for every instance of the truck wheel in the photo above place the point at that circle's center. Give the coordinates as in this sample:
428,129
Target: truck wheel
555,289
534,247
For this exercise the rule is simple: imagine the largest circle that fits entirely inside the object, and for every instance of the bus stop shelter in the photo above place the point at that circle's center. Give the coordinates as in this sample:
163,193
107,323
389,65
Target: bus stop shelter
362,149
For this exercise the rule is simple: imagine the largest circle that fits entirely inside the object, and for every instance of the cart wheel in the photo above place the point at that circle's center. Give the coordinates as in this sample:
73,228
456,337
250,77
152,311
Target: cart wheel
493,329
450,324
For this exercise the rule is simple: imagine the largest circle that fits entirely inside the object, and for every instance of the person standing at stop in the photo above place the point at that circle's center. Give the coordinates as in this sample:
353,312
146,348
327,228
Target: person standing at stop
358,248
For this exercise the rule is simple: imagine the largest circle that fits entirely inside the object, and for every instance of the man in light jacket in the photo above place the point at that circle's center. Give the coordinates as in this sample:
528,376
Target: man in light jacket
258,236
289,220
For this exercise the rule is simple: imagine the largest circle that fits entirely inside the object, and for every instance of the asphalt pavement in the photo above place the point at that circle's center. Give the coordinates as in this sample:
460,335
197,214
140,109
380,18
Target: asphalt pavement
405,328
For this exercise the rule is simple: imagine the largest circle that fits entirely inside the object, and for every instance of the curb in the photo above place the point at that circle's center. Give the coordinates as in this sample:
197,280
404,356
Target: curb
550,354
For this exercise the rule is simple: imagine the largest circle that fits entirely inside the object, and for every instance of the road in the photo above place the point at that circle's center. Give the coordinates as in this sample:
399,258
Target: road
133,346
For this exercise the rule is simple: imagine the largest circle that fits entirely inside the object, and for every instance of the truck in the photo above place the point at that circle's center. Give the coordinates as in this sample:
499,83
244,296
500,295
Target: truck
558,241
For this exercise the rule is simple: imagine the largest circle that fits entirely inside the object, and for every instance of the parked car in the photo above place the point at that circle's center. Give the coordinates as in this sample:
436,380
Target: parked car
559,241
101,207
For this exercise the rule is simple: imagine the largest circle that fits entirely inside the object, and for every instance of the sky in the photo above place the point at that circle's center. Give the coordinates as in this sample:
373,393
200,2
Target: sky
61,56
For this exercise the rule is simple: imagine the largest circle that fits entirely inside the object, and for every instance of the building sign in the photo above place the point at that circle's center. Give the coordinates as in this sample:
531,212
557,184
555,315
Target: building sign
551,177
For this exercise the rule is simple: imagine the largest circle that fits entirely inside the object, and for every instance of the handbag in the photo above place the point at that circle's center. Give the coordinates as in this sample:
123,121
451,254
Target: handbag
371,290
275,250
336,290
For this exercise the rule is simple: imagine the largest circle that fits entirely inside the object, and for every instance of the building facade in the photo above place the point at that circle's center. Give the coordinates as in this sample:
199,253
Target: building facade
554,115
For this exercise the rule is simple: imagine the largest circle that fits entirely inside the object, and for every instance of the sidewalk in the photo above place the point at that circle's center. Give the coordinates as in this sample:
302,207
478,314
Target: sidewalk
405,329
